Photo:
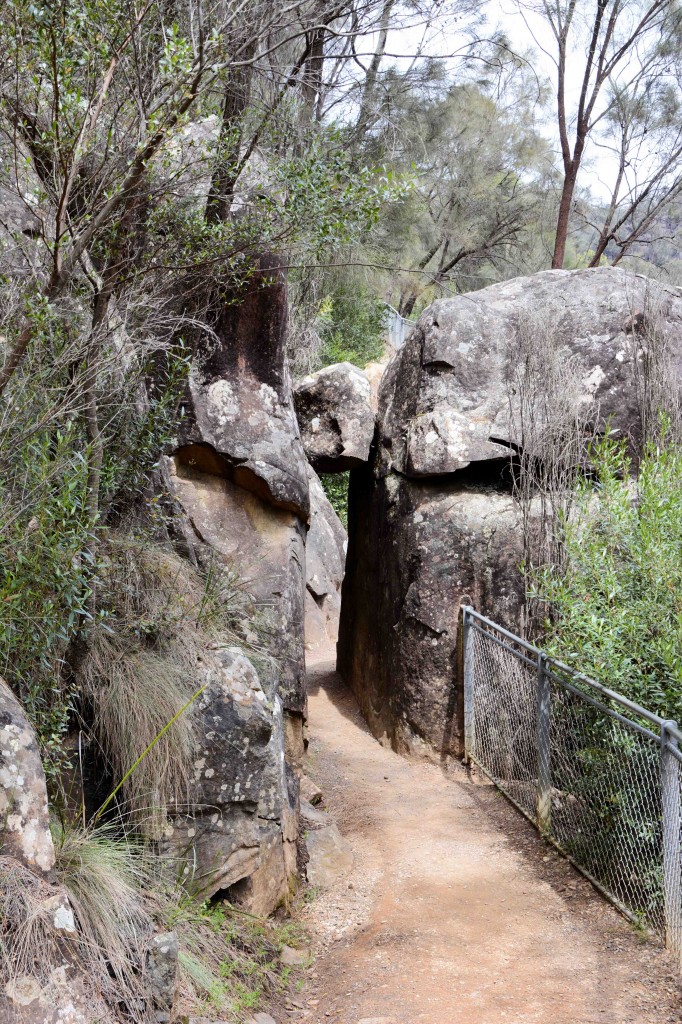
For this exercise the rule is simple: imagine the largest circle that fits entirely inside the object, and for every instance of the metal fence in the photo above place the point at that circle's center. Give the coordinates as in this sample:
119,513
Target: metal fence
596,773
397,327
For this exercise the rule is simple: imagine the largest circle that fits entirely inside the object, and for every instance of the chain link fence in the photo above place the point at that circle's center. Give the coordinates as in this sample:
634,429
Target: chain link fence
397,327
596,773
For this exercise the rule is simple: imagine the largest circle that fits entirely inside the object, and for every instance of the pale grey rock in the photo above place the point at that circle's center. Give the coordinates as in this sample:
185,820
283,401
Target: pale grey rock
64,997
313,817
325,564
24,816
334,410
445,400
291,957
330,855
310,791
162,973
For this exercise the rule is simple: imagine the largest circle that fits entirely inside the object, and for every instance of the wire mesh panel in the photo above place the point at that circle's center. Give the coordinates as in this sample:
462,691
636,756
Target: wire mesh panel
597,774
606,801
505,711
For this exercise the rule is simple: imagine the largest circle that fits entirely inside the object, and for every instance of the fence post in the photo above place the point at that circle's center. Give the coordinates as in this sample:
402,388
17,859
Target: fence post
543,740
468,684
670,805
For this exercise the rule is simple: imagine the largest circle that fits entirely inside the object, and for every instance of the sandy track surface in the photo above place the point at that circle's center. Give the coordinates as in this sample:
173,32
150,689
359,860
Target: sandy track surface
454,911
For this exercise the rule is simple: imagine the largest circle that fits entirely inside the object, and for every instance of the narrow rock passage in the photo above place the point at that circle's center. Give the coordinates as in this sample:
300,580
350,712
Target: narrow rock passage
454,911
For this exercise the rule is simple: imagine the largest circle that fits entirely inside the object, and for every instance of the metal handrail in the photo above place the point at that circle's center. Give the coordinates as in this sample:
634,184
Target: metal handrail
637,709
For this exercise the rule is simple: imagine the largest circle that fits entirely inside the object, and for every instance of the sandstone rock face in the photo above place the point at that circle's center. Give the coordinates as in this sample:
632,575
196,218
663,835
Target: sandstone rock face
422,550
265,546
325,562
334,410
239,480
433,522
240,421
24,816
243,796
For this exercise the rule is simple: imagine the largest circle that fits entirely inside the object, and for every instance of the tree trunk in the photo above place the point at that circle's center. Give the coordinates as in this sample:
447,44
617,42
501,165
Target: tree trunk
407,303
235,102
311,87
564,215
369,89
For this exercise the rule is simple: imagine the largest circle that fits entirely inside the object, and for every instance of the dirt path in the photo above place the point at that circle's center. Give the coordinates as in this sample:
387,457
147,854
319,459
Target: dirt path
454,911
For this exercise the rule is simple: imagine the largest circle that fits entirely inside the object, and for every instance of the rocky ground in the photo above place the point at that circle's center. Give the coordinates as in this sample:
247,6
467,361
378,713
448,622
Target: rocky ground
452,909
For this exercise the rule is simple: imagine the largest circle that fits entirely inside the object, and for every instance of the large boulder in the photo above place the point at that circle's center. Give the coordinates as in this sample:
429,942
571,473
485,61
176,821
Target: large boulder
449,398
325,562
433,520
242,821
238,479
334,410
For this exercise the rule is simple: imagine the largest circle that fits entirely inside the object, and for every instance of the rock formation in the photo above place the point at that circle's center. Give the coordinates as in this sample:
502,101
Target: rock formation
27,861
325,563
243,822
432,521
238,475
334,410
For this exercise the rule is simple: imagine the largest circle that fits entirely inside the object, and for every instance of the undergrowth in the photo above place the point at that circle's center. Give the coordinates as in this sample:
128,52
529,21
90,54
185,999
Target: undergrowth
229,961
146,659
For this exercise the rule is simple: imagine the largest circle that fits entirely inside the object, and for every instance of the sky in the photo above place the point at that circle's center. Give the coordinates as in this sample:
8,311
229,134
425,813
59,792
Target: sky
525,33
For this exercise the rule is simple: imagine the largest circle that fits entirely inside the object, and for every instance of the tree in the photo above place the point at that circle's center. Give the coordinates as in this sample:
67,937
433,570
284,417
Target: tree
478,165
617,52
644,132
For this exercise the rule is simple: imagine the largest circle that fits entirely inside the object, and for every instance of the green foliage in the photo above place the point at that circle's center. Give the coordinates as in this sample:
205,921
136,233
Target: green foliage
479,168
616,602
336,488
46,574
336,200
615,614
353,328
140,431
229,959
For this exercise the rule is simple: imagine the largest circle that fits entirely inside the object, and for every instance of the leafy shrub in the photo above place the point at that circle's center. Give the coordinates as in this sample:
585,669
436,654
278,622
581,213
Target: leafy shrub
336,488
615,609
354,328
616,601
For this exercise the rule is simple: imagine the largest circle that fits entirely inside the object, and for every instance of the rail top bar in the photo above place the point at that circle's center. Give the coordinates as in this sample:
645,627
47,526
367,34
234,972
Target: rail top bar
670,727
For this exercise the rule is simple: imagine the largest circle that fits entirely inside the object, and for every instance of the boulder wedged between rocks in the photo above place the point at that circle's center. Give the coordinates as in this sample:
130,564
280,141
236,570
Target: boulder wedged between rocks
433,518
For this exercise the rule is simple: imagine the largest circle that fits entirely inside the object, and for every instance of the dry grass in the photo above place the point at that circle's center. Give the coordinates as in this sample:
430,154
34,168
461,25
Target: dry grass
105,880
656,379
107,876
161,615
553,425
